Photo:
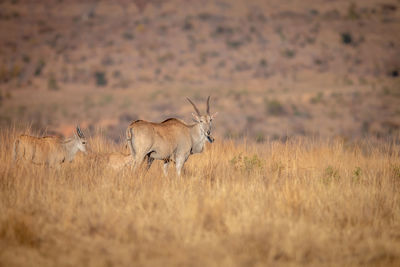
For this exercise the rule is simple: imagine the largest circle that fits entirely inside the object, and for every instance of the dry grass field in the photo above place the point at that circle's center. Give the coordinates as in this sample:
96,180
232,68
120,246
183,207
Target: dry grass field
294,203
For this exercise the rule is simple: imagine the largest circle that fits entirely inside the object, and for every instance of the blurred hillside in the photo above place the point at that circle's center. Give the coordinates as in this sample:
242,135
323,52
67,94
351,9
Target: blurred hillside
274,68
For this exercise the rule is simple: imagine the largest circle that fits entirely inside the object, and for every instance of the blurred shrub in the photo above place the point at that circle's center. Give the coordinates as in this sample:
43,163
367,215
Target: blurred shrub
313,12
365,127
39,67
247,163
330,175
242,66
394,73
396,173
356,175
317,99
274,107
52,83
263,63
223,30
26,58
260,138
128,36
289,53
7,74
187,25
352,12
300,113
100,77
205,16
234,43
117,74
346,38
166,57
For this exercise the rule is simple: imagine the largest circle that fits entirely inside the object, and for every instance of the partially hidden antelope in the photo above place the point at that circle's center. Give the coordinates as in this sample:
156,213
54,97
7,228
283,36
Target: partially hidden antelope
49,150
113,160
118,161
170,140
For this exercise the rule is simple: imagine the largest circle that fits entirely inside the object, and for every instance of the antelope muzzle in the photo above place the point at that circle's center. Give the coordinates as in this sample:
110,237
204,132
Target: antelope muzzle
210,138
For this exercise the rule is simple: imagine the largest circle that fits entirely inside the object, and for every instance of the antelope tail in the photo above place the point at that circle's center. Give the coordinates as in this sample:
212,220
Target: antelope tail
15,150
129,139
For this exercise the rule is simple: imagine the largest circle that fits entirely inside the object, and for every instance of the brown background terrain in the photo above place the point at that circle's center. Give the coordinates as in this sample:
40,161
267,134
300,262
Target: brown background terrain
273,68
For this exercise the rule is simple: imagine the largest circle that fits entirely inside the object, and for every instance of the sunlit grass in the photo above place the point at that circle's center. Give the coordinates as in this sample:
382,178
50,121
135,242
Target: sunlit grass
302,202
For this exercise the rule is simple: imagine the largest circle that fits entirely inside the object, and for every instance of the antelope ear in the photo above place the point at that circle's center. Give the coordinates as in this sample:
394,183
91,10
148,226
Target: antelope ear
213,116
195,117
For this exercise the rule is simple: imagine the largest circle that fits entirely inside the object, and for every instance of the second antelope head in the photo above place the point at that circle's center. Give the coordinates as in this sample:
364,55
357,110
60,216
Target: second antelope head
80,140
204,121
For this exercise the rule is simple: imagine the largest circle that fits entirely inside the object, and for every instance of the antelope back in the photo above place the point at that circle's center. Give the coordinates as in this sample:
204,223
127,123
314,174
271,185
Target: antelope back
118,160
39,150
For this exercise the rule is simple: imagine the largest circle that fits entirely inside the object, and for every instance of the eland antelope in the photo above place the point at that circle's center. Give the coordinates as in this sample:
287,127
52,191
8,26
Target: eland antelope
118,161
111,160
170,140
49,150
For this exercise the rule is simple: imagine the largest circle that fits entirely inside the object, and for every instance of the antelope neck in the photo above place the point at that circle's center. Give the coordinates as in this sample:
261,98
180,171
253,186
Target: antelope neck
198,138
70,148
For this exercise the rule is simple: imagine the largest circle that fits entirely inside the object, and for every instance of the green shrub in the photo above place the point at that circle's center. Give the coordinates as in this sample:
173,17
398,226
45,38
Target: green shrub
356,175
274,107
247,163
346,38
101,79
330,174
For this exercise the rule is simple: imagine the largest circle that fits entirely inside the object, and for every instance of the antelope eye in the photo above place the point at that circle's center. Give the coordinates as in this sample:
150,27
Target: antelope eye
84,143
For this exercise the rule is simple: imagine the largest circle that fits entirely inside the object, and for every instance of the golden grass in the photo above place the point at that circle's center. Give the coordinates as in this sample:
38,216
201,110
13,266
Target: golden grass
303,202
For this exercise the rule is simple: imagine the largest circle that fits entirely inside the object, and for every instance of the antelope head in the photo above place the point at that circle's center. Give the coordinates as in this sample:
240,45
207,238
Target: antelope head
204,121
81,139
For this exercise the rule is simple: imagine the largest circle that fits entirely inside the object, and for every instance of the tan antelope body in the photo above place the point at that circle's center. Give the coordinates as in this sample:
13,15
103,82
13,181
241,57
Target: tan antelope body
50,150
118,161
170,140
112,160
